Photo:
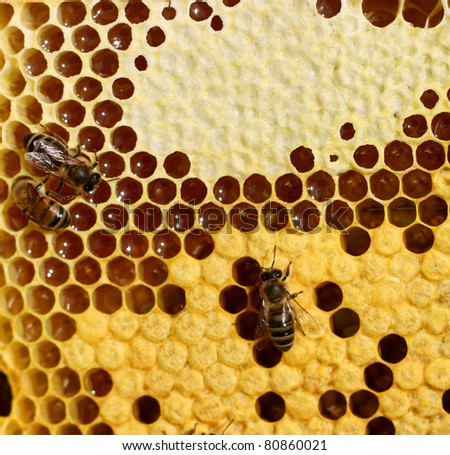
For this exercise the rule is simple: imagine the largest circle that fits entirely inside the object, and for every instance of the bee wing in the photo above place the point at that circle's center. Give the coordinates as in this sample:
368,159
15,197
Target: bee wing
261,326
307,323
44,162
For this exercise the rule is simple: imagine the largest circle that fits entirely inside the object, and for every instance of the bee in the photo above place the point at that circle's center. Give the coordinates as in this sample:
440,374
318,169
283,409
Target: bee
278,315
37,207
51,155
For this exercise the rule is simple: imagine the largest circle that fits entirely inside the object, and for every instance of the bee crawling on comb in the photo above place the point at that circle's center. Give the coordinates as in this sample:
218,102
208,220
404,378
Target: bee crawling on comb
278,315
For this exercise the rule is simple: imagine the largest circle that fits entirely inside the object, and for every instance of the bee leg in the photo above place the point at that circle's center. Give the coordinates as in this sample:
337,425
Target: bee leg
288,271
78,153
38,187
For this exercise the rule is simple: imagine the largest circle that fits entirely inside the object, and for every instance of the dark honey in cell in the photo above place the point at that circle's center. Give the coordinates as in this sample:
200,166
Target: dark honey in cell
328,8
161,191
124,139
87,88
320,186
366,156
87,271
193,191
200,11
51,38
305,216
415,125
384,184
147,217
68,64
227,190
177,165
128,190
85,38
302,158
105,63
430,155
257,188
212,217
134,244
352,186
180,217
217,23
107,298
111,164
136,11
142,164
101,243
120,36
370,213
71,13
398,156
275,216
171,299
198,244
244,217
429,98
288,188
123,88
34,62
104,13
114,217
380,13
347,131
166,244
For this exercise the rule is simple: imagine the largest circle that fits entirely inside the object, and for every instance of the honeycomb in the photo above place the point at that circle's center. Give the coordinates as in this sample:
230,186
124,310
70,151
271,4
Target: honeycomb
223,129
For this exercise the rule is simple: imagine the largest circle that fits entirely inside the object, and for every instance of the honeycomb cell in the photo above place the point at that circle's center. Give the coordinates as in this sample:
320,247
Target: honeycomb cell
180,217
13,40
107,299
380,13
7,244
320,186
302,158
143,165
140,299
13,83
446,401
328,296
82,216
257,188
415,126
352,186
169,12
84,410
212,218
68,64
53,410
363,403
378,377
37,429
366,156
29,109
347,131
384,184
430,155
66,382
392,348
19,355
199,11
74,299
5,108
275,216
398,156
380,425
91,139
114,217
29,327
328,8
370,214
87,88
10,163
332,404
171,299
26,410
156,36
12,301
100,429
123,139
70,14
5,396
134,244
85,38
288,188
244,217
100,195
104,13
40,299
136,11
416,183
121,271
71,113
230,3
418,238
245,324
433,211
217,23
265,354
54,272
147,217
227,190
140,62
98,382
107,113
35,382
339,215
146,409
101,244
355,241
111,165
423,14
120,37
270,407
166,244
68,429
198,244
87,271
401,212
15,218
3,190
51,38
153,271
193,191
33,62
429,98
61,327
34,15
105,63
233,299
305,216
123,88
344,323
47,354
6,13
177,165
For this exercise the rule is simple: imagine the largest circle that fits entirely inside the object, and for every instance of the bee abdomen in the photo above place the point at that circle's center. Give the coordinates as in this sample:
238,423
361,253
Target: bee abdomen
281,330
56,217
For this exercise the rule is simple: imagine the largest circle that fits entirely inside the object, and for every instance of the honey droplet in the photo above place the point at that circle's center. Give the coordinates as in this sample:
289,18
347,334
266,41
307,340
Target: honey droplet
347,131
140,62
328,8
217,23
156,36
200,11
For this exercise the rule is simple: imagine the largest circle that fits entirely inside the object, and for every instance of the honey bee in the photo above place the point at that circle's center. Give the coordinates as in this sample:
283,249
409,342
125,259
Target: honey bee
51,155
278,316
31,198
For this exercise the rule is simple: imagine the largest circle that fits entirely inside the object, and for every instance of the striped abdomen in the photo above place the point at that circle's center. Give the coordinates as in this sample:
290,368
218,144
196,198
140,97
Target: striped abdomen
281,327
49,213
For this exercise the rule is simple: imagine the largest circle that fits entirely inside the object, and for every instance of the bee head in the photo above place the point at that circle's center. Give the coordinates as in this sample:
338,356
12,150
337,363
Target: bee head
93,182
272,274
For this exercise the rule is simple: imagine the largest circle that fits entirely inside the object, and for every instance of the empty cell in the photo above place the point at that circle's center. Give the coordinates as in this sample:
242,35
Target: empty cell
392,348
35,382
378,377
29,327
140,299
270,407
146,409
11,300
10,163
344,323
26,410
12,80
332,404
171,299
66,382
233,299
34,15
355,241
13,40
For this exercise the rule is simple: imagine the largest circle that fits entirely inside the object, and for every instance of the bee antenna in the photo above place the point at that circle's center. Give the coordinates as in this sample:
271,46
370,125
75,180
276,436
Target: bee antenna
228,426
274,254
